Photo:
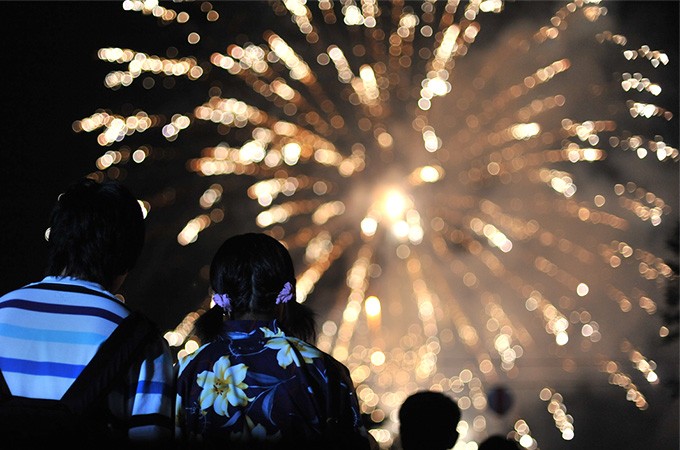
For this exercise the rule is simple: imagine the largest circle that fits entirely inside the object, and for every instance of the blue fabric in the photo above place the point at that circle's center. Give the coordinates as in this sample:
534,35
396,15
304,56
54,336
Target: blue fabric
40,368
50,330
71,337
254,383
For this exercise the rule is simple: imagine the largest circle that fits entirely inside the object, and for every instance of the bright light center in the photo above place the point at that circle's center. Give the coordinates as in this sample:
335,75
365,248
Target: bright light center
395,204
372,306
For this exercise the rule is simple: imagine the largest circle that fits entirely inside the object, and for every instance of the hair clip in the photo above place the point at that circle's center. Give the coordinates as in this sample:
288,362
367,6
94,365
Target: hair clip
286,294
223,301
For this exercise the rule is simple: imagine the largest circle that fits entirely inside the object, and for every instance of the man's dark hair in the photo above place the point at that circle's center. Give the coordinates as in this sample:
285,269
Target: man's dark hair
498,442
96,232
428,420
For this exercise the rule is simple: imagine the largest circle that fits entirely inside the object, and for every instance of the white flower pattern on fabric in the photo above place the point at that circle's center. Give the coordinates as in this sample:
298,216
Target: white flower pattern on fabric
223,387
282,343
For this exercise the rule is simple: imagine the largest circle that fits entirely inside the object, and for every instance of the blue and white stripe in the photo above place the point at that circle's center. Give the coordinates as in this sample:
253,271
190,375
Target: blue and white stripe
51,329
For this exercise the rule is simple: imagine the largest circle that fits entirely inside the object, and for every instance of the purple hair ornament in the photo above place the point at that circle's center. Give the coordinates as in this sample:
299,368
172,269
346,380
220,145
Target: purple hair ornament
286,294
223,301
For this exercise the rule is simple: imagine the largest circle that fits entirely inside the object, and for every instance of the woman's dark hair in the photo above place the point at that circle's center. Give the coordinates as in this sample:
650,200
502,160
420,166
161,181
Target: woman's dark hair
96,232
252,268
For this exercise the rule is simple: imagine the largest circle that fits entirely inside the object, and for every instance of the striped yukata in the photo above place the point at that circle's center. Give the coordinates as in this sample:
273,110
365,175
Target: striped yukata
51,329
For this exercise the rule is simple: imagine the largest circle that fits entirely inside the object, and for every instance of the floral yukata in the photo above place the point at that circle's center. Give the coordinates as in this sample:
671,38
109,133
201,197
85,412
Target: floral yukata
255,384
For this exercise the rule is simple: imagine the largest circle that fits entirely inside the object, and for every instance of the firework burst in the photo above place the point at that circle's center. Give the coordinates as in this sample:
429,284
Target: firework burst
476,203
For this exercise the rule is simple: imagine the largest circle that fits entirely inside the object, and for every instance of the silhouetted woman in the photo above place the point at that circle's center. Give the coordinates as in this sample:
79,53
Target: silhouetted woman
258,381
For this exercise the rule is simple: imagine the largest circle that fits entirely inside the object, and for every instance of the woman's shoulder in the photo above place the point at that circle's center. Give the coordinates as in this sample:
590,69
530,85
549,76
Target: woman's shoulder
184,360
329,362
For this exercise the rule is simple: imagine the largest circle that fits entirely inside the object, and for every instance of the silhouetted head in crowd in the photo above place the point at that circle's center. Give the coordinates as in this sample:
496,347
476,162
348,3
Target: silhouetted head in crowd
428,420
254,271
498,442
96,233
